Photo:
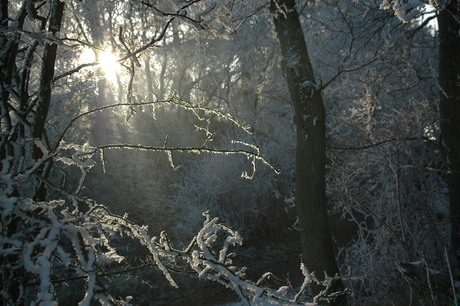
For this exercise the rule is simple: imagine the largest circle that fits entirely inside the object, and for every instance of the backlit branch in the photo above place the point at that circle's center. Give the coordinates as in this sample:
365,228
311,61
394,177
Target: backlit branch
171,101
197,150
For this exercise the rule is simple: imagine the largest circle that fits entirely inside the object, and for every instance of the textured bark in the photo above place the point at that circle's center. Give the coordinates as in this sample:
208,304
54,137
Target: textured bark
47,70
8,54
449,107
5,120
45,89
310,197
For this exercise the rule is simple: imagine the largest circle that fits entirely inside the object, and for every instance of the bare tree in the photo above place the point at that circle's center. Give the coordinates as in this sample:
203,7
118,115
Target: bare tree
449,108
310,190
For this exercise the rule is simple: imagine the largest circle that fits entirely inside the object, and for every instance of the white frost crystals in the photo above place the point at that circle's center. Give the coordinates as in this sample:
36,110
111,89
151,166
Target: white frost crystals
313,87
82,157
52,239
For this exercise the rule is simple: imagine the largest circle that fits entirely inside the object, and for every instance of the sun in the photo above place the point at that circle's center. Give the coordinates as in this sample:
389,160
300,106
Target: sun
108,61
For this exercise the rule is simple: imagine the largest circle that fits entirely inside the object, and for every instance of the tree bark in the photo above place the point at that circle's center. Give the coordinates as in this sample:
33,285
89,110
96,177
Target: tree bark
45,89
5,120
9,45
47,70
310,196
449,107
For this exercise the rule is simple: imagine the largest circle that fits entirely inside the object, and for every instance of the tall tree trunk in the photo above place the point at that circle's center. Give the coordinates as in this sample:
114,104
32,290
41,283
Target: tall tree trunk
47,70
45,89
449,107
9,45
5,120
310,195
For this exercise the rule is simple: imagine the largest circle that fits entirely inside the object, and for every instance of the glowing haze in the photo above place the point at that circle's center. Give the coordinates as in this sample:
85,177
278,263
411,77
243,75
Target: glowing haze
106,59
109,63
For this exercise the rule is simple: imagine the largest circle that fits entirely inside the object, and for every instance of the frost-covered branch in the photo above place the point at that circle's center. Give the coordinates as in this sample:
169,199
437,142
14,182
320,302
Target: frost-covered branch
197,150
216,266
171,101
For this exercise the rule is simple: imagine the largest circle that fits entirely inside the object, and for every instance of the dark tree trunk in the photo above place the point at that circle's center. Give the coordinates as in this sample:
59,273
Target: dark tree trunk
9,52
449,107
310,196
47,70
45,89
5,120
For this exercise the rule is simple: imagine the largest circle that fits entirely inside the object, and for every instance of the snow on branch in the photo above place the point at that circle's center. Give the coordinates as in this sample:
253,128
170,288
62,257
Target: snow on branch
208,256
42,241
64,241
407,10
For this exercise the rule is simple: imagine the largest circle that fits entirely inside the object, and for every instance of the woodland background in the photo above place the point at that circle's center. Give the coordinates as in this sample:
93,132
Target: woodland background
194,114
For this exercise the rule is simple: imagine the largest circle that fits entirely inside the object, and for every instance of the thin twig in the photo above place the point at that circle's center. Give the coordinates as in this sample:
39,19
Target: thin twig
369,146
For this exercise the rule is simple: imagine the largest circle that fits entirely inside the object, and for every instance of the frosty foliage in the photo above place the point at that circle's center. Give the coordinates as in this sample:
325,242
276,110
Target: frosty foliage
49,241
407,10
210,184
64,241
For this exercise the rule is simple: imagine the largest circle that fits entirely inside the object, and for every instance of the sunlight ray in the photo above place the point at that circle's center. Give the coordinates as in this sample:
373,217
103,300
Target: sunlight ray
109,63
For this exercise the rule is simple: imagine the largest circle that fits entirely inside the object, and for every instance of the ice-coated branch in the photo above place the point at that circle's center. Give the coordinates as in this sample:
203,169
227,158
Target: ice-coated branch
197,150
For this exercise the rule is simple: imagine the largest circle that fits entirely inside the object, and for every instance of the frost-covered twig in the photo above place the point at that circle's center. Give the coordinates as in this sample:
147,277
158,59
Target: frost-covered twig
197,150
